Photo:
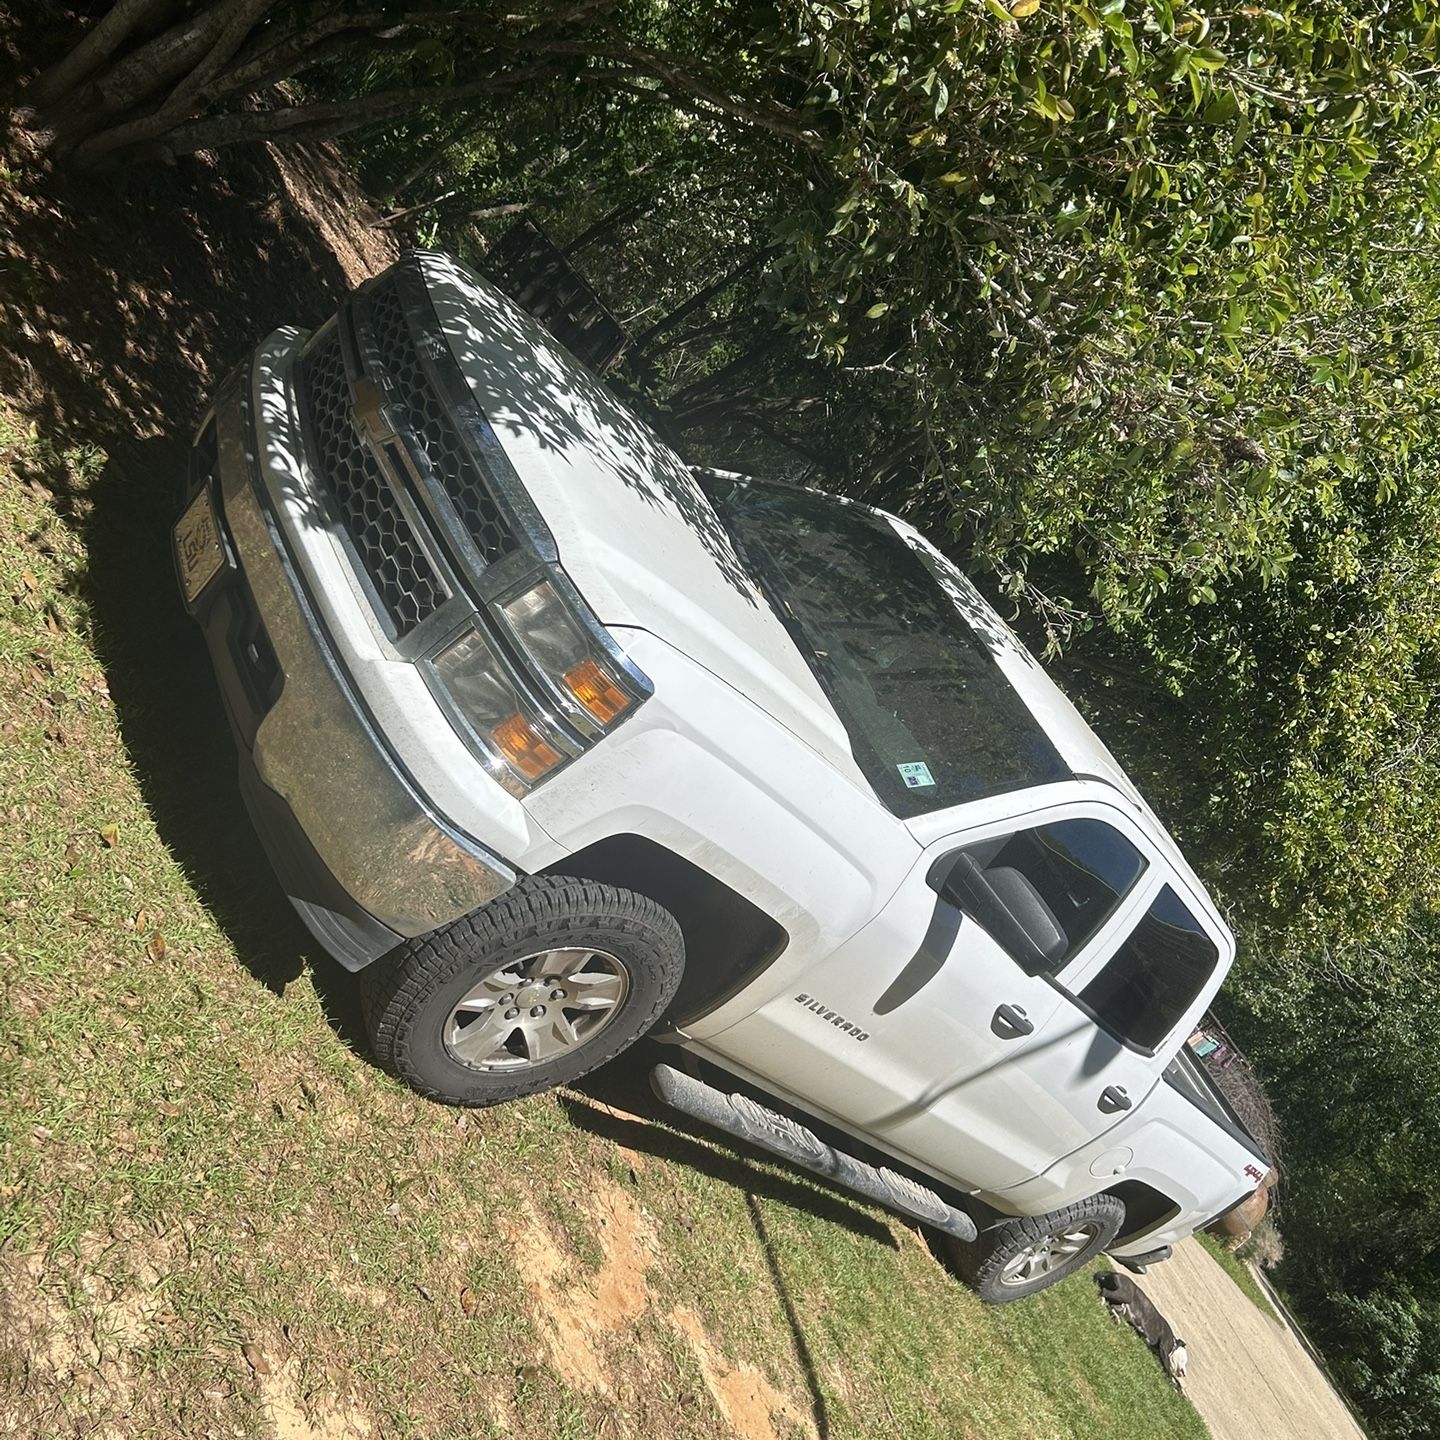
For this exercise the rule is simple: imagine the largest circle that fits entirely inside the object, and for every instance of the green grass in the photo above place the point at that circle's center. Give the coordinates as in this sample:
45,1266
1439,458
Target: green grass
216,1215
1238,1271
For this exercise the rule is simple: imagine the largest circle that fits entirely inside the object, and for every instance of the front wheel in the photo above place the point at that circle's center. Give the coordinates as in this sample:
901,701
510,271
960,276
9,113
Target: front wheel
1029,1253
536,989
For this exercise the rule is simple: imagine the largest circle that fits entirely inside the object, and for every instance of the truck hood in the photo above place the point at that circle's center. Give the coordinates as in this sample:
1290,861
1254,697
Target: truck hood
633,530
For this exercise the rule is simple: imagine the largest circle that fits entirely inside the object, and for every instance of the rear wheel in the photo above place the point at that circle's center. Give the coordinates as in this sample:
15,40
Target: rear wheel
554,978
1029,1253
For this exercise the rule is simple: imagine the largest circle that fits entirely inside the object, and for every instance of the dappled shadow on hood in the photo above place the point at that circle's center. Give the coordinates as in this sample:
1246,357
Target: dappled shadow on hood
536,394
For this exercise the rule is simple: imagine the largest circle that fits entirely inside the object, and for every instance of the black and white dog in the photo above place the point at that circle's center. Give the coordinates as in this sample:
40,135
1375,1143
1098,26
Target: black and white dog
1128,1302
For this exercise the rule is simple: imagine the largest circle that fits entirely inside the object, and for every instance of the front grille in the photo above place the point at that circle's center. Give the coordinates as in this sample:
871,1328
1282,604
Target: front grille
407,471
402,578
425,417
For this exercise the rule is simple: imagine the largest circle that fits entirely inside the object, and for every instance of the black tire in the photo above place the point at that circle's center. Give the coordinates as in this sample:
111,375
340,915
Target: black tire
984,1263
410,997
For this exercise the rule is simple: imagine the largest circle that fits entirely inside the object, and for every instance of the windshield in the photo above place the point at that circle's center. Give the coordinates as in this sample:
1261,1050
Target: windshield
932,720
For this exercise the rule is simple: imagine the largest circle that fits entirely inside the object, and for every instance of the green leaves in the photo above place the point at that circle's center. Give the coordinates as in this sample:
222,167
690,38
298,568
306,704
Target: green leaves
1113,19
1157,265
1361,1143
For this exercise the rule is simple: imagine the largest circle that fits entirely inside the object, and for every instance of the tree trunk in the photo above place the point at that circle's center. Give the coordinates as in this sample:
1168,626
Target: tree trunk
243,16
270,59
96,47
134,78
165,60
225,51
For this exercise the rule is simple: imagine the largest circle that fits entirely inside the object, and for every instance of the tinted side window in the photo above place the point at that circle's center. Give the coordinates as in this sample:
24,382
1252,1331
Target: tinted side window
1154,976
1079,870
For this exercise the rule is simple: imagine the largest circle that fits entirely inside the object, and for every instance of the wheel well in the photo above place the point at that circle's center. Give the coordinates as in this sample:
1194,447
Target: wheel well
1145,1208
728,939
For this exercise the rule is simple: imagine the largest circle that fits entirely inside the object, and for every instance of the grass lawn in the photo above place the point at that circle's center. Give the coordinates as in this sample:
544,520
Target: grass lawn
1238,1271
220,1219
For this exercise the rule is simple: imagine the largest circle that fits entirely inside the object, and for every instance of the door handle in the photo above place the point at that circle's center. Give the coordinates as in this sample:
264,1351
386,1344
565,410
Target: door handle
1011,1021
1113,1098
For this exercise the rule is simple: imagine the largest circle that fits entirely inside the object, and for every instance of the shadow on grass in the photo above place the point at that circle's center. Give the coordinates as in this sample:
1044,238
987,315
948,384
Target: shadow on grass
122,299
175,731
818,1407
666,1135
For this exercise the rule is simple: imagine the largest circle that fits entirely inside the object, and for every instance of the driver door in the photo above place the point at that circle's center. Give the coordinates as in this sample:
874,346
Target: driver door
926,1033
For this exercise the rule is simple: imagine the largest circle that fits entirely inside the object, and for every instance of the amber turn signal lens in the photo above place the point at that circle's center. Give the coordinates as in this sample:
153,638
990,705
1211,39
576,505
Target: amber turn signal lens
596,691
525,747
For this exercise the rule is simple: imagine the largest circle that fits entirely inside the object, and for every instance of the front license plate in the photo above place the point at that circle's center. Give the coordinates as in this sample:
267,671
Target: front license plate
198,549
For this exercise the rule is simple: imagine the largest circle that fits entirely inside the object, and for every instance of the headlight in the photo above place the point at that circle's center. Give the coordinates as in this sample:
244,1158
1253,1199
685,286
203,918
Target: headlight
511,732
562,651
534,683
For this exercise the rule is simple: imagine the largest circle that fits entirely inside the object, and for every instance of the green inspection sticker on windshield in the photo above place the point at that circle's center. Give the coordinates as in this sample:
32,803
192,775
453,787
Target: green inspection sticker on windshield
915,774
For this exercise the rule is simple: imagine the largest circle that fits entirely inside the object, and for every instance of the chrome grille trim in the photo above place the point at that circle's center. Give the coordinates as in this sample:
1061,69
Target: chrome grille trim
392,560
425,420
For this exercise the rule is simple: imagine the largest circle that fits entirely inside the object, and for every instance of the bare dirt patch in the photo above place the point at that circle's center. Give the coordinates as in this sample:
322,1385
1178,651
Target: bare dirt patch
72,1336
576,1315
295,1416
39,1323
747,1401
357,1293
586,1320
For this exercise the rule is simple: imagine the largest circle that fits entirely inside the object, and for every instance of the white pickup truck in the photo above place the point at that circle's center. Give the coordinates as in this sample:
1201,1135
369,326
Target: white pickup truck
559,743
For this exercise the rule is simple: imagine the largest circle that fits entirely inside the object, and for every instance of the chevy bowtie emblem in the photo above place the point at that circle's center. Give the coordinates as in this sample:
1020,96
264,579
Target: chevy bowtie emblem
370,410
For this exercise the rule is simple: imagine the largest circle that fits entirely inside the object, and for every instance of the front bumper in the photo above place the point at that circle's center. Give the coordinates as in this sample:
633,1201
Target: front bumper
362,853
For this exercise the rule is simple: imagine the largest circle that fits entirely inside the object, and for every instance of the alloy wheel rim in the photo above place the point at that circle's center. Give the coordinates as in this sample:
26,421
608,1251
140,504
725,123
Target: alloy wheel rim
1048,1255
536,1009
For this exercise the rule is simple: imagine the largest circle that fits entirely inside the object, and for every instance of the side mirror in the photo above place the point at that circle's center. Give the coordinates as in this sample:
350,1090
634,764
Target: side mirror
1006,906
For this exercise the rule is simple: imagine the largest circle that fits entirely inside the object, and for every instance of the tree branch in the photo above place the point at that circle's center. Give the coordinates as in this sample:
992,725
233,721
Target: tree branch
670,73
95,47
323,120
295,49
245,16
